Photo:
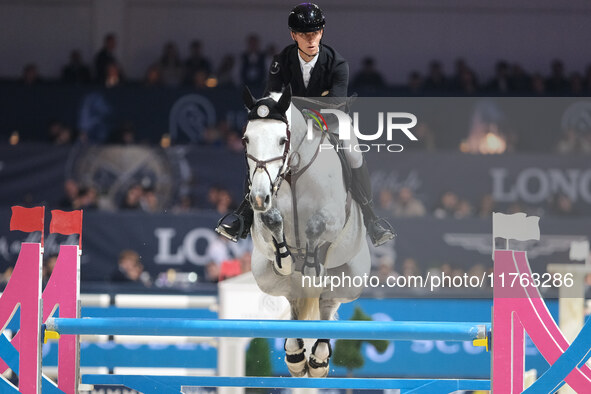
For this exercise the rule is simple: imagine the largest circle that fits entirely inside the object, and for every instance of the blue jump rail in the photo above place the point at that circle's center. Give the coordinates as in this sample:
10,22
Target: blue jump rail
387,330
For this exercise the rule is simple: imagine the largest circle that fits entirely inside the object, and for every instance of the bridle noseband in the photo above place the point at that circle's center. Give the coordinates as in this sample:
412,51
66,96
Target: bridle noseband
263,163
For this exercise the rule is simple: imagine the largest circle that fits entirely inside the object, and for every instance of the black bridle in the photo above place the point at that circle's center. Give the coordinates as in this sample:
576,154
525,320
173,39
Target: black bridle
263,163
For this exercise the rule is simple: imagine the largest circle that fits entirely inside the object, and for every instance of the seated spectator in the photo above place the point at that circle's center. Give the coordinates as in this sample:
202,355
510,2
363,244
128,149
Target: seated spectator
75,71
386,200
415,84
557,82
170,65
196,62
30,76
436,81
447,205
225,72
410,267
48,265
153,76
407,205
105,57
368,79
487,207
500,83
519,80
71,191
132,199
60,134
463,210
130,269
562,205
253,69
113,76
87,199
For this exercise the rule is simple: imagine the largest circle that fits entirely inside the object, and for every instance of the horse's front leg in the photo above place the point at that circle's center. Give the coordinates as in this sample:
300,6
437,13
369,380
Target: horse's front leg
295,357
283,262
321,351
322,227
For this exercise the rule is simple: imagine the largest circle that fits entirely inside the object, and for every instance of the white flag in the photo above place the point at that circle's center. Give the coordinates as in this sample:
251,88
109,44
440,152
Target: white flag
516,226
579,250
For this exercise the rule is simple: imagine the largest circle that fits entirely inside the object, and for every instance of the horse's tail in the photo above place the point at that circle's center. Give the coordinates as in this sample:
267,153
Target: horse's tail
308,309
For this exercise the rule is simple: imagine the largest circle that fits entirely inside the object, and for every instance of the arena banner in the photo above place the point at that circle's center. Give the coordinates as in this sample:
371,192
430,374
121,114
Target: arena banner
35,174
186,243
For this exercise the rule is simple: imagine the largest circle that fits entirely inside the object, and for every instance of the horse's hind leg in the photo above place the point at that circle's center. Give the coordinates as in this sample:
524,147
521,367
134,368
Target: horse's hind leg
283,263
321,351
295,357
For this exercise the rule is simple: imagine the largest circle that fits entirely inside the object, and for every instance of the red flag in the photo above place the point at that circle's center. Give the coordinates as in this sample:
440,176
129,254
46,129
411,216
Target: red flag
66,222
27,219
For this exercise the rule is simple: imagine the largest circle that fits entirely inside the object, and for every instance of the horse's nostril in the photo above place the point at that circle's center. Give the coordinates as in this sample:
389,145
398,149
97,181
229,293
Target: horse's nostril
267,199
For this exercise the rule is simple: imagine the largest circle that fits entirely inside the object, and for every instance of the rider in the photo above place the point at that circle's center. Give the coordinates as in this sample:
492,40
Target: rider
314,70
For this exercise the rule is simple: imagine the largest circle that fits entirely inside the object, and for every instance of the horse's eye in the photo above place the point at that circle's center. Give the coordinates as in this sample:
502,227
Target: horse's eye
245,140
282,141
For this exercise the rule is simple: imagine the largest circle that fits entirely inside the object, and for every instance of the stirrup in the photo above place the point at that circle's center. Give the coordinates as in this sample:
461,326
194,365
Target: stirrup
386,236
222,231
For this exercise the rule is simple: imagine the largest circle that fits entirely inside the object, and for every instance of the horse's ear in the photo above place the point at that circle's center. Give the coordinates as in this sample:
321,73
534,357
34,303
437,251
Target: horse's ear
248,98
285,98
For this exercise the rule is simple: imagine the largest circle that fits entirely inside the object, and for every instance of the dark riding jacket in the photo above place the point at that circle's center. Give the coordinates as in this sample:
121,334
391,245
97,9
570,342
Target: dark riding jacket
329,77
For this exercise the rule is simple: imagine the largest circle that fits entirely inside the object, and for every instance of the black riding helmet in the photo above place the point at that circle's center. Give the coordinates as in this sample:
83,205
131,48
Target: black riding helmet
305,18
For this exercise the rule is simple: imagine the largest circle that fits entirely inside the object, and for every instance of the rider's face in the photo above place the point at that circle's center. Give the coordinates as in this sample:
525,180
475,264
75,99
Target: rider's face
309,43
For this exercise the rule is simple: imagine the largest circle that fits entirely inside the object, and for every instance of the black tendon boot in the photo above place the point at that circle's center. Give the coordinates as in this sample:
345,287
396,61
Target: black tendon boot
379,230
240,227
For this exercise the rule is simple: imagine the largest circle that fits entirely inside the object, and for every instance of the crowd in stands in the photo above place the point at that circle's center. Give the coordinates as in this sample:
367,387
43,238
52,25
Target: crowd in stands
171,69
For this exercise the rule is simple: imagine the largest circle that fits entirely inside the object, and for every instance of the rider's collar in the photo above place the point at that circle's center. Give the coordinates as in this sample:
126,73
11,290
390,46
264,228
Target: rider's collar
266,108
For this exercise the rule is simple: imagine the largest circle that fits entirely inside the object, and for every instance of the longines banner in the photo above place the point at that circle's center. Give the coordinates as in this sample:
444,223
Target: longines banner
36,175
187,242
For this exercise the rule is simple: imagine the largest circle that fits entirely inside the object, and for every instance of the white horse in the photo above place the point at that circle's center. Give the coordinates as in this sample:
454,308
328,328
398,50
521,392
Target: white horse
307,231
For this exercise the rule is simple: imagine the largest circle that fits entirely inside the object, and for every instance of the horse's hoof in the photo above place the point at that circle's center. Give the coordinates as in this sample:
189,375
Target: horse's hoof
297,370
317,368
295,358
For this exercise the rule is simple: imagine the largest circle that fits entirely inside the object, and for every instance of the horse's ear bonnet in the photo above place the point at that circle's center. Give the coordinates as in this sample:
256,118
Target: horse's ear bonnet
267,108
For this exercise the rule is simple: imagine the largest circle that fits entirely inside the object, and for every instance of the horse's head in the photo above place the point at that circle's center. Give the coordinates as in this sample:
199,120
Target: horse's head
266,141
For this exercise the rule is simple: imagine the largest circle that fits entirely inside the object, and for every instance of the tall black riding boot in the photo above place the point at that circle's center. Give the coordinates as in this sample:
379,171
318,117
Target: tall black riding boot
240,227
379,230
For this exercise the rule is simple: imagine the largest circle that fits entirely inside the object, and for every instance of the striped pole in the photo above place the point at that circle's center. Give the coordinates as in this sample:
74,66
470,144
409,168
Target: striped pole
388,330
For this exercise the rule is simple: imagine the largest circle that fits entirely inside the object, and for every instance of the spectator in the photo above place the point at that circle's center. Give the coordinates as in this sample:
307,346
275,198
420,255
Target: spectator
487,206
557,82
368,79
447,205
71,191
538,86
48,265
75,71
30,76
519,81
463,210
436,80
410,268
130,269
153,76
500,83
562,205
60,134
171,67
105,57
386,200
87,199
407,205
113,76
252,70
415,84
196,62
225,72
132,199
